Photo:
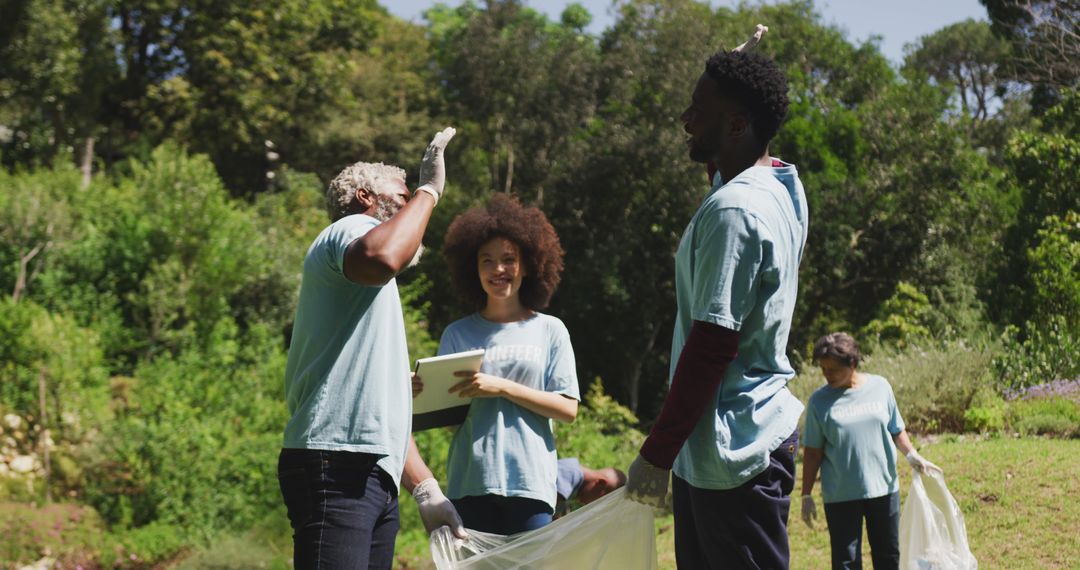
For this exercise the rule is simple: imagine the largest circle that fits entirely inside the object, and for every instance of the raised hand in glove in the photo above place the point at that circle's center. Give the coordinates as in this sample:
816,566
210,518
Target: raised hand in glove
435,509
647,483
920,464
433,167
754,39
809,510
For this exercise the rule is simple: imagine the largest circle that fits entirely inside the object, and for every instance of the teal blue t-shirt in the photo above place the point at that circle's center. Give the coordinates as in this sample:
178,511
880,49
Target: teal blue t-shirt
502,448
737,266
855,428
347,380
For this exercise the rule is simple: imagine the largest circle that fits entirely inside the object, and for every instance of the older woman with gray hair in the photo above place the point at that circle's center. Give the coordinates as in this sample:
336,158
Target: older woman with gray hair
851,427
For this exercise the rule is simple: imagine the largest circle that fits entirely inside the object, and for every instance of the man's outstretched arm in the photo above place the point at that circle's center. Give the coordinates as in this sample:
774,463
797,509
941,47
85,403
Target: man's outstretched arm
702,363
704,360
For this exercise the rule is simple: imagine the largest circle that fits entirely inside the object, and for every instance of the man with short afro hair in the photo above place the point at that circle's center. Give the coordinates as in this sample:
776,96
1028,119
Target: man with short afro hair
757,84
728,427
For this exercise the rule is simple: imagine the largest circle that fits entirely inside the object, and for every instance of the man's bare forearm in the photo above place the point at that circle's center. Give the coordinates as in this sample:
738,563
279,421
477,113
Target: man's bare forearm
415,469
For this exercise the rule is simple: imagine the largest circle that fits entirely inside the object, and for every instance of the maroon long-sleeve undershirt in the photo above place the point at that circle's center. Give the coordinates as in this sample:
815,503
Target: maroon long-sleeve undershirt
708,351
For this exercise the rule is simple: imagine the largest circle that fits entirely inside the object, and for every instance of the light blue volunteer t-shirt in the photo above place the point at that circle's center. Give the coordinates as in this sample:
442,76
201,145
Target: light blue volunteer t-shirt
855,428
502,448
737,266
347,379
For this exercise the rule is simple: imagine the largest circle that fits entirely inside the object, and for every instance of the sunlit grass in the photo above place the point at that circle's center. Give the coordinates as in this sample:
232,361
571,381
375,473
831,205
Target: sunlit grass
1019,498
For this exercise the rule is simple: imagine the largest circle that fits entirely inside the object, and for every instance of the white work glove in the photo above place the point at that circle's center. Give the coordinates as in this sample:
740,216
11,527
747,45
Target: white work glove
809,510
918,463
753,41
435,509
433,167
647,483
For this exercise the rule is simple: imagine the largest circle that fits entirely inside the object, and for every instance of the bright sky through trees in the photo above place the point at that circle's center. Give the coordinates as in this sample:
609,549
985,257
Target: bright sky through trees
897,23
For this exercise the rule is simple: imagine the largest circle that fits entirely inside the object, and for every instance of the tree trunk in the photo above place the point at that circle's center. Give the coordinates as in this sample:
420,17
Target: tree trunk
635,368
87,165
44,436
509,168
22,280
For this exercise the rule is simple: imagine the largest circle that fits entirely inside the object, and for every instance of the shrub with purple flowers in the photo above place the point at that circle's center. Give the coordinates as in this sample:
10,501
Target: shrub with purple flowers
1068,389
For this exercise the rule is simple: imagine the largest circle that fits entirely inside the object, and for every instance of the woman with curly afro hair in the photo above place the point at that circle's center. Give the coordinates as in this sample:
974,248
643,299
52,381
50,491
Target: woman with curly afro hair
505,260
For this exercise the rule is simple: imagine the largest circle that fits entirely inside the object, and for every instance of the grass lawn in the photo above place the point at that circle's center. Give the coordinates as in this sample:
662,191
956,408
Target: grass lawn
1020,499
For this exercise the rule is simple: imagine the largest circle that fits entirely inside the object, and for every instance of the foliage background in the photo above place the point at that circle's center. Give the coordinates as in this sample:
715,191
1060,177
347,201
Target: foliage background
161,175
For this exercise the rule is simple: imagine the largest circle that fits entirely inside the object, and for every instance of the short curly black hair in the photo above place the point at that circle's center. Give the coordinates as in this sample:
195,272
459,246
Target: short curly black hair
528,228
755,82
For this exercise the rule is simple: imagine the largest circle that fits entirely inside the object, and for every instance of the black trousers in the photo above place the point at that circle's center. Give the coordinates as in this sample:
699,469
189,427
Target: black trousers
343,509
845,520
740,528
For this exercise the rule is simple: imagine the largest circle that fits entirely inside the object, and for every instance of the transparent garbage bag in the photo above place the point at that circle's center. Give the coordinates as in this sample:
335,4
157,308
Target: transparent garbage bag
613,533
932,533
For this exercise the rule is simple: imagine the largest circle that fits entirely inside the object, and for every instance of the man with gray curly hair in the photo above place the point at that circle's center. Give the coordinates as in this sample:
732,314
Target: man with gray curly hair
347,446
340,192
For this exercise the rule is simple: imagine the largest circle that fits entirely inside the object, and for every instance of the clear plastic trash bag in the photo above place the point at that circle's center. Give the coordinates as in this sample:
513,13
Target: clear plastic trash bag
932,533
613,533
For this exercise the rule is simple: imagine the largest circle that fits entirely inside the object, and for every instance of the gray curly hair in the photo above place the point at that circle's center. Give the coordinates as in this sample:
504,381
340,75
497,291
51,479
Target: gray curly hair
370,175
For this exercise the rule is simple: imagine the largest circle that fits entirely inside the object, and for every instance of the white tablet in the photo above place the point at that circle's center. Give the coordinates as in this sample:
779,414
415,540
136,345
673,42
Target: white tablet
435,406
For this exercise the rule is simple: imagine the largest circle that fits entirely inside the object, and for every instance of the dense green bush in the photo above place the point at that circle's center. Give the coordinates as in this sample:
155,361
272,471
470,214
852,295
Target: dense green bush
49,351
604,433
987,412
984,419
902,319
1045,416
40,346
144,547
196,444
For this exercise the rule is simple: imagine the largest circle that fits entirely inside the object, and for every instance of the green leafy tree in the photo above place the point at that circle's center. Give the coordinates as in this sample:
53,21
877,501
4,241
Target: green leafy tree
620,203
1044,164
36,222
55,68
972,65
965,58
1055,262
154,260
521,84
1038,291
324,82
1045,43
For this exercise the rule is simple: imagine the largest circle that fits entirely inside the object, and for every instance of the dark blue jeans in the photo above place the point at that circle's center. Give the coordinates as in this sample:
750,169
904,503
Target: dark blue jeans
502,515
845,521
343,509
740,528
